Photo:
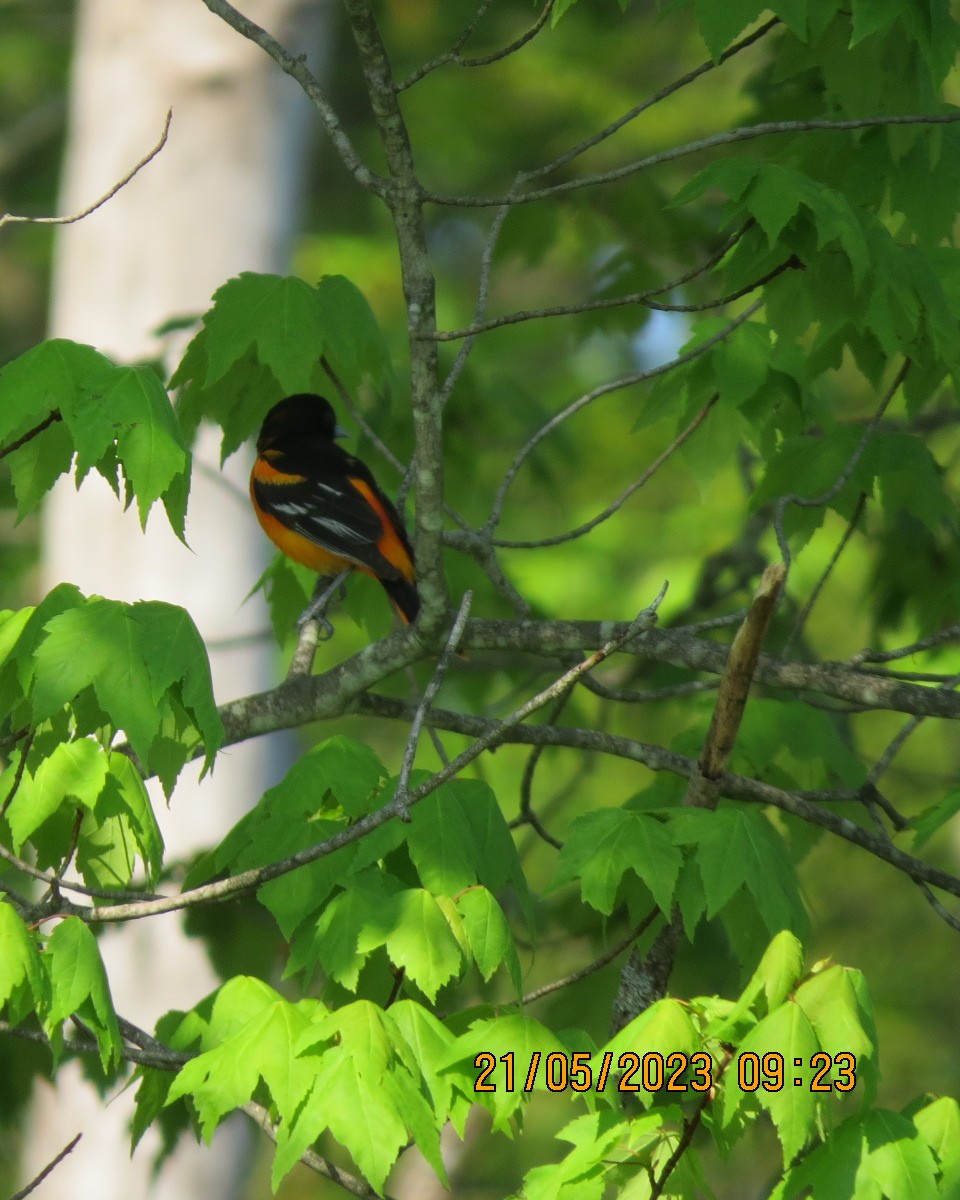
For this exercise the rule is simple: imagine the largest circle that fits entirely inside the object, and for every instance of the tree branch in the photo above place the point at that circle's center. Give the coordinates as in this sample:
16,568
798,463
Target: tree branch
296,68
625,495
52,1165
644,299
10,219
321,1166
453,55
404,197
496,509
31,433
658,758
597,965
869,430
727,138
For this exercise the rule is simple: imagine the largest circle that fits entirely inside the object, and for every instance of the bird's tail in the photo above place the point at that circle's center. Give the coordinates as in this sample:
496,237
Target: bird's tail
404,597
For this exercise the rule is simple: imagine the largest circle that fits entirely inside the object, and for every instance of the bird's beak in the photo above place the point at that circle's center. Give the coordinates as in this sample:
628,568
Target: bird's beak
339,431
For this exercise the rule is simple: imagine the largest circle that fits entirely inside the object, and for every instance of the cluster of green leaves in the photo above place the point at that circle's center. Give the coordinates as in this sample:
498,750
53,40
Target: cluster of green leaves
860,228
75,672
62,978
378,1079
264,338
731,863
423,893
95,416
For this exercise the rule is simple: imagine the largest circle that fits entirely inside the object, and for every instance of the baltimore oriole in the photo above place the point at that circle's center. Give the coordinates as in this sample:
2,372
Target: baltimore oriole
322,506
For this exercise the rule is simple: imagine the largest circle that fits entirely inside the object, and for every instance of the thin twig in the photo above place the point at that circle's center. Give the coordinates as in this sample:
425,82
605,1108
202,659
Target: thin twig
726,138
322,1166
429,692
693,687
625,495
485,60
804,613
54,1162
483,288
528,815
896,743
373,437
565,310
941,910
70,885
31,433
690,1126
451,55
10,219
604,389
733,618
843,478
597,965
664,93
950,634
368,431
296,68
18,773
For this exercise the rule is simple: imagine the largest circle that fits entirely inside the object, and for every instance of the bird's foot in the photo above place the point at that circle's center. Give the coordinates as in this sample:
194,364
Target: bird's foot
323,593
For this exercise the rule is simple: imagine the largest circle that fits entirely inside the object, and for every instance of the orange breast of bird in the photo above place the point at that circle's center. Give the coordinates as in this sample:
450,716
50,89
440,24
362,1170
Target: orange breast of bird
293,544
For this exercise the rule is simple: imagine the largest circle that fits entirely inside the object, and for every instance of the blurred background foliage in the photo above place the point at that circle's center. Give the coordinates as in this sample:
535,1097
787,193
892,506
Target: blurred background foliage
473,129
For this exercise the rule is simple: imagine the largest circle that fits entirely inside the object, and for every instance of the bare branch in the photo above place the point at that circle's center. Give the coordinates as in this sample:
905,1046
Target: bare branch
70,885
881,766
31,433
669,90
597,965
528,815
690,1126
727,138
296,68
18,773
54,1163
625,495
825,574
950,634
430,691
644,298
10,219
818,501
453,55
322,1166
605,389
483,287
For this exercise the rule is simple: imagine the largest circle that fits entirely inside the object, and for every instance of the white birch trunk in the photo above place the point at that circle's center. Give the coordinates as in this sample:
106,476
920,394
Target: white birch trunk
220,198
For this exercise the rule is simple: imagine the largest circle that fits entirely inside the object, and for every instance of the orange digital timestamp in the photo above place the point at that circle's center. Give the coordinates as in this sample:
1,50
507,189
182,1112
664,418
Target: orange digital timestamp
650,1072
656,1072
769,1072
